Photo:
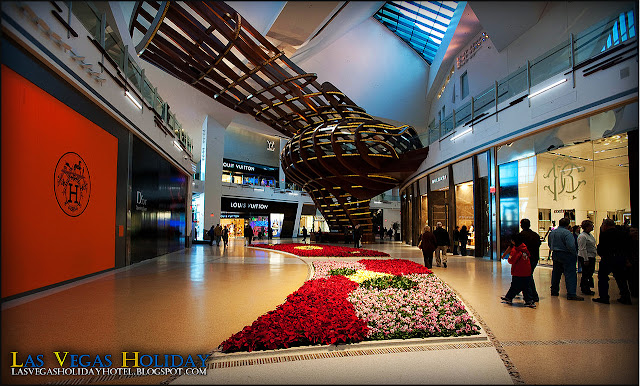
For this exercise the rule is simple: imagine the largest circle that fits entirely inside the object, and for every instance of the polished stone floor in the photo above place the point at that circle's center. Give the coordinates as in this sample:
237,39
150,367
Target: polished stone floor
188,302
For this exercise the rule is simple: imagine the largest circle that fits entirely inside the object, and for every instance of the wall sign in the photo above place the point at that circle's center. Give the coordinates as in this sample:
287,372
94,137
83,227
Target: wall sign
439,180
244,206
245,167
72,184
141,202
564,179
271,145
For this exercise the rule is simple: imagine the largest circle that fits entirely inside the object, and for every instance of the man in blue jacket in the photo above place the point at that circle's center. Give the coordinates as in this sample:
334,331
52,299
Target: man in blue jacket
565,258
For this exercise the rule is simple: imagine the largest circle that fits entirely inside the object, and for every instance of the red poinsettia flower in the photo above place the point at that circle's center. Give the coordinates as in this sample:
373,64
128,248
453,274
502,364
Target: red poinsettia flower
315,250
395,266
317,313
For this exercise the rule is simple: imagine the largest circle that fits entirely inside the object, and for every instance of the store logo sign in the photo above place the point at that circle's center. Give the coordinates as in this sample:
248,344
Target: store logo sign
251,205
271,145
438,179
141,202
72,184
565,179
231,165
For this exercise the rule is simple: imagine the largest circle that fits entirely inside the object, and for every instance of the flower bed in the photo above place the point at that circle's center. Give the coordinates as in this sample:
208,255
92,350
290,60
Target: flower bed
349,302
315,250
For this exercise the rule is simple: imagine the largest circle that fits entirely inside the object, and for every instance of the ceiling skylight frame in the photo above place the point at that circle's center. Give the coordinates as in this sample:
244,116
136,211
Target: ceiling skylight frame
420,24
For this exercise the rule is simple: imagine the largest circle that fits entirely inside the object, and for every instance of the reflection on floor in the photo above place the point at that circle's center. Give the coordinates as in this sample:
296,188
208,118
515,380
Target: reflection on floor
189,301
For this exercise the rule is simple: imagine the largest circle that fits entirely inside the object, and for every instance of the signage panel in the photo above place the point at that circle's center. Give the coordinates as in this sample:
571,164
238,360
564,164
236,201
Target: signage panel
59,176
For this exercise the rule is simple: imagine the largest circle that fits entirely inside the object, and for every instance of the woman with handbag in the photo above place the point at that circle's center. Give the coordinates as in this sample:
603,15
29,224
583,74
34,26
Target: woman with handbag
428,245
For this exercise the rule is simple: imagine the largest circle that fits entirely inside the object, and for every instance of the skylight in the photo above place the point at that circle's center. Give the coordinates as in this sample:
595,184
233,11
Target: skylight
623,29
421,24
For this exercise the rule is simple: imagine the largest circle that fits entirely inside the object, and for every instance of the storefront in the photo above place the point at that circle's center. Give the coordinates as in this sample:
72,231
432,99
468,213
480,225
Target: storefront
586,169
238,172
585,181
236,213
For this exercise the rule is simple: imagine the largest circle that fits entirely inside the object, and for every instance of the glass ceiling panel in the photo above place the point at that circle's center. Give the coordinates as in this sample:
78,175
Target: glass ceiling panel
420,24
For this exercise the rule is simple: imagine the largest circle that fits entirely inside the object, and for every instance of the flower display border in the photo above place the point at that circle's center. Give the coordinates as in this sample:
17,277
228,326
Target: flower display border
323,251
334,309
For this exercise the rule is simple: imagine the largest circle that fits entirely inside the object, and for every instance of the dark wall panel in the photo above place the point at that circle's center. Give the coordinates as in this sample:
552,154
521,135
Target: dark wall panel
158,204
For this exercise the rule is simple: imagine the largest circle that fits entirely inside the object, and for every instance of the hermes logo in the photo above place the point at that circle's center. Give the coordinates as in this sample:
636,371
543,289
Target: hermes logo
72,185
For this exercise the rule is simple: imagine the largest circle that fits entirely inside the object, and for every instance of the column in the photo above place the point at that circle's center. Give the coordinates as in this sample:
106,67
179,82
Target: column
213,136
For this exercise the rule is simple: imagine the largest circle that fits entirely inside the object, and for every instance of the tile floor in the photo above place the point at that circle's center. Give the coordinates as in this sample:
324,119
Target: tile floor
188,302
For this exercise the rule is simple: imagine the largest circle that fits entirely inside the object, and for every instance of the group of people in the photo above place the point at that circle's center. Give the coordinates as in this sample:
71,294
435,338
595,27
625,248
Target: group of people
437,241
384,232
460,240
617,250
218,232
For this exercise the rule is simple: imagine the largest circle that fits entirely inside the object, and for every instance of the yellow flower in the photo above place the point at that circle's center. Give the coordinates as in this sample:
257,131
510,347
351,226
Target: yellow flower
362,275
308,247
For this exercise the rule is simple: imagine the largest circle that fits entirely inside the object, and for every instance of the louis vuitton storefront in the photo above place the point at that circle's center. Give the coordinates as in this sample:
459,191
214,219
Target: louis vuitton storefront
586,169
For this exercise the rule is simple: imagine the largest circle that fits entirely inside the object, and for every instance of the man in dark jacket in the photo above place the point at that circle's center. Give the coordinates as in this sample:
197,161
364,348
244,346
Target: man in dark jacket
442,239
613,249
532,240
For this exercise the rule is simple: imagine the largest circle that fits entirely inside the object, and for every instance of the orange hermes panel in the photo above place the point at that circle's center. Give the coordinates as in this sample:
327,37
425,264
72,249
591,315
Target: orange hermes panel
58,190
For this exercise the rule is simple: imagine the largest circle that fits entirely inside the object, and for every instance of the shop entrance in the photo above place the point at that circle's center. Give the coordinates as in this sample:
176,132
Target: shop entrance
465,213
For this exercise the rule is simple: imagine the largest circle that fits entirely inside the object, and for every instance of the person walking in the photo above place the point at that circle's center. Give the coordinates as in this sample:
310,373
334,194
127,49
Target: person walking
357,235
456,240
575,230
464,239
428,245
532,240
587,251
520,272
225,235
613,251
442,242
382,232
218,234
563,253
211,232
248,234
304,234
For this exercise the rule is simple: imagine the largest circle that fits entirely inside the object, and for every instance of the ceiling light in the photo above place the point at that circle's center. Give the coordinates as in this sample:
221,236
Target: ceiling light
133,99
461,134
548,88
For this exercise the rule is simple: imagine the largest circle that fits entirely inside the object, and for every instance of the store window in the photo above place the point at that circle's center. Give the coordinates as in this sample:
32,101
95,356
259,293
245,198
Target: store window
464,208
545,179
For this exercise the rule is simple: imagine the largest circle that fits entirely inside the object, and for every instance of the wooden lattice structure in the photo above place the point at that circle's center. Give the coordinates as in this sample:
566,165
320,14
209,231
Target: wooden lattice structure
338,153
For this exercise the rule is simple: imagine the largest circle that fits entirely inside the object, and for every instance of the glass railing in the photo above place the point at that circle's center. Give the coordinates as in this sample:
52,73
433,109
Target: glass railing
552,62
512,85
485,101
591,42
463,114
95,22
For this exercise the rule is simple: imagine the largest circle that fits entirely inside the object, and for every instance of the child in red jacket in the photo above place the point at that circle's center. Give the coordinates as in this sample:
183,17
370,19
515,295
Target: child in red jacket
520,272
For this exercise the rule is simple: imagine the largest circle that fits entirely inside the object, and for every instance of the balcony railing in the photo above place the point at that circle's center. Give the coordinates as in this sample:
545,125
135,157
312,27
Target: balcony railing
599,38
95,22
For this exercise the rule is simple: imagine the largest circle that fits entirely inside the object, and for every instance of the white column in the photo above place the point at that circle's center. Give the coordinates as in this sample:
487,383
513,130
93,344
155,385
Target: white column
213,136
